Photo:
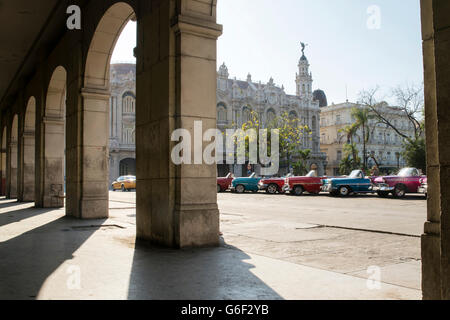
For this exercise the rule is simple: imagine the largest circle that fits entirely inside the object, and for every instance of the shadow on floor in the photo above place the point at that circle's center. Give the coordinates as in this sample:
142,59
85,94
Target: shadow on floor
197,274
30,258
27,260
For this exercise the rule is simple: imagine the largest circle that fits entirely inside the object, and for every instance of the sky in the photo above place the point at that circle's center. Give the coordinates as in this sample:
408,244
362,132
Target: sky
353,44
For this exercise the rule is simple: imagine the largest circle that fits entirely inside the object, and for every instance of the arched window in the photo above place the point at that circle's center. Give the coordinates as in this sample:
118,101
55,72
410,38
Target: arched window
221,113
246,114
128,103
271,115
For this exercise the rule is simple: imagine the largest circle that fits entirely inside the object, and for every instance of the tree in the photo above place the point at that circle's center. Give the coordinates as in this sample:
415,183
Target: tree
410,105
291,134
362,117
350,132
300,167
348,162
415,154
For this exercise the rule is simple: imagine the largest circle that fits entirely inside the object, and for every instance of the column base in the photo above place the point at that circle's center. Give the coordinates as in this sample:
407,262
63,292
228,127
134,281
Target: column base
431,267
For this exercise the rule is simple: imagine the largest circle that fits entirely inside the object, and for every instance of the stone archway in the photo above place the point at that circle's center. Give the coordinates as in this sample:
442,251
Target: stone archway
128,167
51,192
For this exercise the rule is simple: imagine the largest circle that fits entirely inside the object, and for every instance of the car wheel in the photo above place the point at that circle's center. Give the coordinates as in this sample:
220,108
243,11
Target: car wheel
219,189
298,190
240,189
399,191
123,188
383,194
272,189
344,191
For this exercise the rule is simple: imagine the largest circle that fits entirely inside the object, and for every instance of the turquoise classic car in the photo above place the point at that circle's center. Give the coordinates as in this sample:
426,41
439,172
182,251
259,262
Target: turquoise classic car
356,182
240,185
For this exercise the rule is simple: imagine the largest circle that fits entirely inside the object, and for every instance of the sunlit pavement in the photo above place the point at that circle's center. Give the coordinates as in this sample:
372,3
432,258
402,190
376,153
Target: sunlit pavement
274,247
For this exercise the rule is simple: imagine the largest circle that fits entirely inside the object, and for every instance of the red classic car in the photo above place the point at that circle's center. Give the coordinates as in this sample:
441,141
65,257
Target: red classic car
223,184
407,181
272,185
311,183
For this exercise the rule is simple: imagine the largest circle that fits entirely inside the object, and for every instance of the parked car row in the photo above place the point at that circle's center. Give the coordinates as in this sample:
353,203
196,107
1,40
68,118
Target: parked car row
408,180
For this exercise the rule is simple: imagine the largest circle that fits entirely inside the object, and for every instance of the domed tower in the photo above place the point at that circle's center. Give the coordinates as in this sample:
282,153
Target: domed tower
304,77
222,77
320,96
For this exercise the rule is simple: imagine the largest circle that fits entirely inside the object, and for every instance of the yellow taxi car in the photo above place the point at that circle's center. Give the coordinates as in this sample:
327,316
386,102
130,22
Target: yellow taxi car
124,183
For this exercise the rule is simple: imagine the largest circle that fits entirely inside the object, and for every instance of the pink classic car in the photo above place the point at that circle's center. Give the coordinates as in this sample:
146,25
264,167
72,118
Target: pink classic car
408,180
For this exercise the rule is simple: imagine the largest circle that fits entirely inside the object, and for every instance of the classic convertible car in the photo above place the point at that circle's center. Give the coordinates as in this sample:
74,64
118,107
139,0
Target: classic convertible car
240,185
223,184
356,182
407,181
272,185
311,183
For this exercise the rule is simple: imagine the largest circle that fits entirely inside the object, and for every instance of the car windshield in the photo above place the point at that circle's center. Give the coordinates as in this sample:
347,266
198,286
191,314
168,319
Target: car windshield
311,174
408,172
355,174
253,175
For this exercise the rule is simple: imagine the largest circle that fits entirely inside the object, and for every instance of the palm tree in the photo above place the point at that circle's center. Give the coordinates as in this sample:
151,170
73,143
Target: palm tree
362,117
350,132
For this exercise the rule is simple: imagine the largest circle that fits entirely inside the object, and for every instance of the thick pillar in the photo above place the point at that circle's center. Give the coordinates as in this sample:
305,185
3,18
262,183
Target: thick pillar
436,238
28,173
53,162
176,85
13,169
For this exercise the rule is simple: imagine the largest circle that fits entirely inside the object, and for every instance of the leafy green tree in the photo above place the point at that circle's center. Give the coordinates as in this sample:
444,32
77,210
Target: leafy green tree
362,117
350,132
291,134
414,152
300,166
348,163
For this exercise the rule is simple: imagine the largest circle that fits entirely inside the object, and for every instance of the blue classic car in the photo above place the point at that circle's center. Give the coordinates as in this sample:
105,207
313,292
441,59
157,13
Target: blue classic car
356,182
240,185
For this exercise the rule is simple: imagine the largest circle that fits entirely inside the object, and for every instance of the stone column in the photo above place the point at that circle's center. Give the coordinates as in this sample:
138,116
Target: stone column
436,238
53,162
13,170
87,153
27,177
176,85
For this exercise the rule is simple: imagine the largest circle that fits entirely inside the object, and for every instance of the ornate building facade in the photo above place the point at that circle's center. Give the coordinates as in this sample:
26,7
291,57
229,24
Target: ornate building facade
236,100
122,148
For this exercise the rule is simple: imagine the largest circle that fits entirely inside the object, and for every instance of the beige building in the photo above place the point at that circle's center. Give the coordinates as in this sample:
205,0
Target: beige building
384,147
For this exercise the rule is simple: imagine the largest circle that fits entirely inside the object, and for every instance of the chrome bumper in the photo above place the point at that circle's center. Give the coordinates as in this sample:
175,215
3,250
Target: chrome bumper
383,187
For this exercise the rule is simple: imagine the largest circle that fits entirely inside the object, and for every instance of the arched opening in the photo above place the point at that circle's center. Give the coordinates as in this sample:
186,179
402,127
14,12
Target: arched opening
128,167
54,141
28,153
221,113
3,160
109,134
13,157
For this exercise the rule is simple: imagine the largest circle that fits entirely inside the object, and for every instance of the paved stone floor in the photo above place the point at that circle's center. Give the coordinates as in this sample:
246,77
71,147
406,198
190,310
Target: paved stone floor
273,247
